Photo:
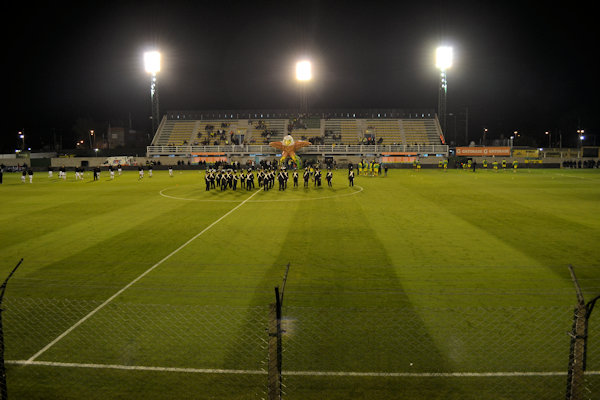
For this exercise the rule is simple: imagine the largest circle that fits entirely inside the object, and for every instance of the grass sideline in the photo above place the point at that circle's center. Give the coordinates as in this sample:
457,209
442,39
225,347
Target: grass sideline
416,241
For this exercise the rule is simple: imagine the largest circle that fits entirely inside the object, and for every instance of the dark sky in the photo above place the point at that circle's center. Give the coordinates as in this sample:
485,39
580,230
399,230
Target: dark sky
527,66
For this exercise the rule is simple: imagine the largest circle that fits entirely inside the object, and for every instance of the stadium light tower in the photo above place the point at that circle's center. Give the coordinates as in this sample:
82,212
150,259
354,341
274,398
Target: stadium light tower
152,65
443,61
303,75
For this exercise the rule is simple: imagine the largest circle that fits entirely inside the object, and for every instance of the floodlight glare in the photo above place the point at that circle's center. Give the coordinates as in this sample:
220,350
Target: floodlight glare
303,71
152,61
443,57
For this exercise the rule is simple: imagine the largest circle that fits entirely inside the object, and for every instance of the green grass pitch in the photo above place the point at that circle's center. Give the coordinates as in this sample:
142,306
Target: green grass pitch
426,272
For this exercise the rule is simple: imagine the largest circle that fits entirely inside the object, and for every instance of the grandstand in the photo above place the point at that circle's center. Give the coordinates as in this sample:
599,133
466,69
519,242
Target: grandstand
356,133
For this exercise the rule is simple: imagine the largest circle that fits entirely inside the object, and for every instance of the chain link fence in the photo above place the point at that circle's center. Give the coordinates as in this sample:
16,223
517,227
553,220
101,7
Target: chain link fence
465,353
131,350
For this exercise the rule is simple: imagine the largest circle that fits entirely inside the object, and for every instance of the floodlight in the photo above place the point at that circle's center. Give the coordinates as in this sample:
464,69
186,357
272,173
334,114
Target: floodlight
303,70
443,57
152,61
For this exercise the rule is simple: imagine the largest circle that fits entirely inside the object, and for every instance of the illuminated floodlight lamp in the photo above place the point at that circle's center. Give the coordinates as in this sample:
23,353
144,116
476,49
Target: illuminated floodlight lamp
152,62
303,70
443,57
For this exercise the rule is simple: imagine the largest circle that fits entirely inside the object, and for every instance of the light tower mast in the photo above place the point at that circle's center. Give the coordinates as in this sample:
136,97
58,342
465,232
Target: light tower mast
443,61
152,64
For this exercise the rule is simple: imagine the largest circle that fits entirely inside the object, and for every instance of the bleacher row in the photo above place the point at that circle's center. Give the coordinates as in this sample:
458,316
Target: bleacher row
319,131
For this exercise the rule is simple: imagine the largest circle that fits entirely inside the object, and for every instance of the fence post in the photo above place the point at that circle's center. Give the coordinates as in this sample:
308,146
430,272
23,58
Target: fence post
3,386
275,358
275,381
577,356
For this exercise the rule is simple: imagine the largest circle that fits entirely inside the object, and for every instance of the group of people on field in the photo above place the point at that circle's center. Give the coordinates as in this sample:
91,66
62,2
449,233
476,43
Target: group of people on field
224,179
265,177
472,165
370,168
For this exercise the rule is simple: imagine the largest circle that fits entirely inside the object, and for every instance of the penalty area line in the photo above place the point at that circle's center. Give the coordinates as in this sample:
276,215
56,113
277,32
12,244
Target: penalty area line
298,373
133,282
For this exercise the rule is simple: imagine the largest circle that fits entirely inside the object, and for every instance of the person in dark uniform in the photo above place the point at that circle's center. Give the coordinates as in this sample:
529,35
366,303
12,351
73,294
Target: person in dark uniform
306,176
351,177
207,180
223,181
234,179
242,179
230,179
329,176
295,177
260,177
266,181
317,177
249,180
272,176
281,179
212,179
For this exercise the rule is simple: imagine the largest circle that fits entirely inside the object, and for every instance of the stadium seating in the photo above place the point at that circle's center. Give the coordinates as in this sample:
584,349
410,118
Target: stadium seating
385,131
421,131
326,131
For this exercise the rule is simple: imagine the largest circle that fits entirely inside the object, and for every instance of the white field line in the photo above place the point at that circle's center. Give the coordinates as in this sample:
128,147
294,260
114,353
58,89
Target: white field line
298,373
111,298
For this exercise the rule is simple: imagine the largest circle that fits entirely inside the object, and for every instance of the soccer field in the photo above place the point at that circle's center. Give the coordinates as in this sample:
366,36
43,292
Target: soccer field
417,285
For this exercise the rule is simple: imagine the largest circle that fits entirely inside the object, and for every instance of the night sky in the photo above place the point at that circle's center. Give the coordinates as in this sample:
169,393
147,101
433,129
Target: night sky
526,67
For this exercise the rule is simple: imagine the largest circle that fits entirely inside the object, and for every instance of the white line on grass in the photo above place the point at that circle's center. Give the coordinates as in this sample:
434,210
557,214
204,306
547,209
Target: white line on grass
299,373
101,306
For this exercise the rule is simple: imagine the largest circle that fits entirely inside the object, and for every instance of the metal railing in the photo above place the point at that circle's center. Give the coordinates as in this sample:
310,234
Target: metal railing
265,149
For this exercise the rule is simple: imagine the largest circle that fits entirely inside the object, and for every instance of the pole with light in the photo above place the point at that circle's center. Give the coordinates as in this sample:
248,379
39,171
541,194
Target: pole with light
303,75
22,137
92,139
152,65
443,61
580,134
